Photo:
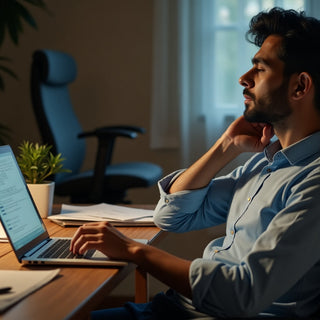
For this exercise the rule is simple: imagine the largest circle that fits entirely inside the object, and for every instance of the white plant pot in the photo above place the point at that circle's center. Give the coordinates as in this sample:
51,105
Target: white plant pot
42,195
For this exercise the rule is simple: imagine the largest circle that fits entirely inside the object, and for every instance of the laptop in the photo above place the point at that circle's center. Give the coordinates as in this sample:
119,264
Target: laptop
25,229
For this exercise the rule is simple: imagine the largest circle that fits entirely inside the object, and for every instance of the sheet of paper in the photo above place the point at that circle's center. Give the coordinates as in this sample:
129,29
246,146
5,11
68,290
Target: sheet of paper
3,236
22,283
103,212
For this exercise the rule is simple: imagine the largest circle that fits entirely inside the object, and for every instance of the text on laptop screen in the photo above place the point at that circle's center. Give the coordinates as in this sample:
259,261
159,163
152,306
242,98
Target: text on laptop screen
16,208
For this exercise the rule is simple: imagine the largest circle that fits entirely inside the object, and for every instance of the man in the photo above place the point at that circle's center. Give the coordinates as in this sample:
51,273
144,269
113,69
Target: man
268,264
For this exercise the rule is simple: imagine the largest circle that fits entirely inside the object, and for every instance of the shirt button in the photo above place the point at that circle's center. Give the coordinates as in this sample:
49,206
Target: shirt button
232,232
249,199
167,201
216,251
268,170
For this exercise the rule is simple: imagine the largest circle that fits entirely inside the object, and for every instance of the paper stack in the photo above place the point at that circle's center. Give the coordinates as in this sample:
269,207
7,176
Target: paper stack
117,215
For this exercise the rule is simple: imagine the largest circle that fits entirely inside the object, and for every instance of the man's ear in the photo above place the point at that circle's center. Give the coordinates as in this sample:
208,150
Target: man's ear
302,85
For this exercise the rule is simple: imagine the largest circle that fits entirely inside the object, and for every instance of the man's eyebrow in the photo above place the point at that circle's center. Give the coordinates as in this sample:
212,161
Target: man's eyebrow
256,60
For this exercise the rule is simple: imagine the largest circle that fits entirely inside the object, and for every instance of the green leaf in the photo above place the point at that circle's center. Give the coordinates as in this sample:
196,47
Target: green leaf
14,24
24,13
12,12
8,71
13,15
37,3
37,163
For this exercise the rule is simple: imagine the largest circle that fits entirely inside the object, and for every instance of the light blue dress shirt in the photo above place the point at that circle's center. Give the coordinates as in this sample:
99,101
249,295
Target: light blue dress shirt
269,261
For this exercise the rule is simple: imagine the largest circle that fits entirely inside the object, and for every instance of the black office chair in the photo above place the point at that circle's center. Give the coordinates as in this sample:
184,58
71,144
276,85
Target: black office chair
51,73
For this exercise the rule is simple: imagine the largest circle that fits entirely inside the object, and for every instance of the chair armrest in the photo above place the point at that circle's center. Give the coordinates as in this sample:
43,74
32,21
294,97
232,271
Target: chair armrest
106,139
130,128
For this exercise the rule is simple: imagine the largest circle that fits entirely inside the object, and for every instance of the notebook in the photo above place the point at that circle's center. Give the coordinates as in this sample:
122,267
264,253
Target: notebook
25,229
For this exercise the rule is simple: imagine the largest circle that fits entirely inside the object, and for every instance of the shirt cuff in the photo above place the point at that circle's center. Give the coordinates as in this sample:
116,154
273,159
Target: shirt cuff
173,208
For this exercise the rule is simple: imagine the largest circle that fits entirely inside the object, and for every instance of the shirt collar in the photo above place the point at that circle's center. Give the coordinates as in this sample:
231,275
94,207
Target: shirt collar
297,151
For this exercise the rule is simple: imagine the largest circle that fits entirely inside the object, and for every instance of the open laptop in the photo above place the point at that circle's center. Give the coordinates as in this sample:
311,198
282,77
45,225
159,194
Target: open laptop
25,228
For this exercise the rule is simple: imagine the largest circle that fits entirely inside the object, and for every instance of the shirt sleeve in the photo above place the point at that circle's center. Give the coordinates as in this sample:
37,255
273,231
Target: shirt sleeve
194,209
283,257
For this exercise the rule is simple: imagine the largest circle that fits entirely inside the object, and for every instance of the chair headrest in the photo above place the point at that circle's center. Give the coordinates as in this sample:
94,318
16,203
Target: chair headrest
55,67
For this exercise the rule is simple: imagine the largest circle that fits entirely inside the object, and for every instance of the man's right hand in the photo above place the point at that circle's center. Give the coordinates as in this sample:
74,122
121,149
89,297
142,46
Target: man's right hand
249,137
241,136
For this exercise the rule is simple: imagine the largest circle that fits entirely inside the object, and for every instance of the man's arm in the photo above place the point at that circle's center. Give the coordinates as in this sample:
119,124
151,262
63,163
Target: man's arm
169,269
241,136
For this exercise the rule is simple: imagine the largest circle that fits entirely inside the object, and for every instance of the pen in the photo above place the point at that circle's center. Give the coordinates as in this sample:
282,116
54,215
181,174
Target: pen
5,290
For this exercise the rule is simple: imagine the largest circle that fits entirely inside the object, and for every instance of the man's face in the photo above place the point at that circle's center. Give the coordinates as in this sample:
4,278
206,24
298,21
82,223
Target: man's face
265,89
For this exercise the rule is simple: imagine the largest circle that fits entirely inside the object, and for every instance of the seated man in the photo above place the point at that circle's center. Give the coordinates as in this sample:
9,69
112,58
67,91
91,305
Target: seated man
268,264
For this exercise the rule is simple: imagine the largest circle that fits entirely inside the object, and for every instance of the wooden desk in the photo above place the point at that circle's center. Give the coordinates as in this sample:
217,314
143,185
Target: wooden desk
77,290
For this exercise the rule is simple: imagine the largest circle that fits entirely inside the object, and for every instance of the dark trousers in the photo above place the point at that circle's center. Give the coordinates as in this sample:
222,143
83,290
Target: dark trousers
161,308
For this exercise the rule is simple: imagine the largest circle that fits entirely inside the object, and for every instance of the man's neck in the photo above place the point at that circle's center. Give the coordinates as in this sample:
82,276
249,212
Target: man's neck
289,135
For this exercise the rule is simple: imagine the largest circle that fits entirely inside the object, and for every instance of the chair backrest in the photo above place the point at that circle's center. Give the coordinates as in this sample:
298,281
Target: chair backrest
51,73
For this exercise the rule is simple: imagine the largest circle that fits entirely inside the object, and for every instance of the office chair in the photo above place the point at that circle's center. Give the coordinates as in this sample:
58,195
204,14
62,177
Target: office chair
51,73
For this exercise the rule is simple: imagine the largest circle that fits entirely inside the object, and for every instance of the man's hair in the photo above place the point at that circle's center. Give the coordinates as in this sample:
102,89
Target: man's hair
300,50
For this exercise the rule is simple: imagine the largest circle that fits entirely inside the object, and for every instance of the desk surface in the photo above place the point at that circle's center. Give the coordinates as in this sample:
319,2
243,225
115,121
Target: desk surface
77,290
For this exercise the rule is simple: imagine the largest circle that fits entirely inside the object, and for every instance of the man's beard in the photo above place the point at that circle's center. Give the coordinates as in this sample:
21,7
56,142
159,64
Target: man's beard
269,109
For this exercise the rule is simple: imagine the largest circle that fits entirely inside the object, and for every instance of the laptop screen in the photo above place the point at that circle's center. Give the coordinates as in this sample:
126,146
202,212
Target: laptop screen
18,214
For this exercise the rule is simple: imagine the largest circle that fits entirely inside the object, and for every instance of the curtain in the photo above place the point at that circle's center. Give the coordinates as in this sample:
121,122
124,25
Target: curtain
313,8
177,115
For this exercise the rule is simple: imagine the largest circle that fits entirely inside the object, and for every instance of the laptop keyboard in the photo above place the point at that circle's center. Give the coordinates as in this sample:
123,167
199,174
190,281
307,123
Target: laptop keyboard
60,249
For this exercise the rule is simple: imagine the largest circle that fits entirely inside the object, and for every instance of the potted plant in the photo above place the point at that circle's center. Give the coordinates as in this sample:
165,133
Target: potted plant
13,15
38,165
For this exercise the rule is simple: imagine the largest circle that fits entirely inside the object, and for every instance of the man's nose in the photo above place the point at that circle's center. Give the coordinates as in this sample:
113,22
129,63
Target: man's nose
246,81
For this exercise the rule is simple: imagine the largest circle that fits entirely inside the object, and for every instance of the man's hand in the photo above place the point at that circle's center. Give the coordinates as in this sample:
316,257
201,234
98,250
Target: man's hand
249,137
103,237
241,136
